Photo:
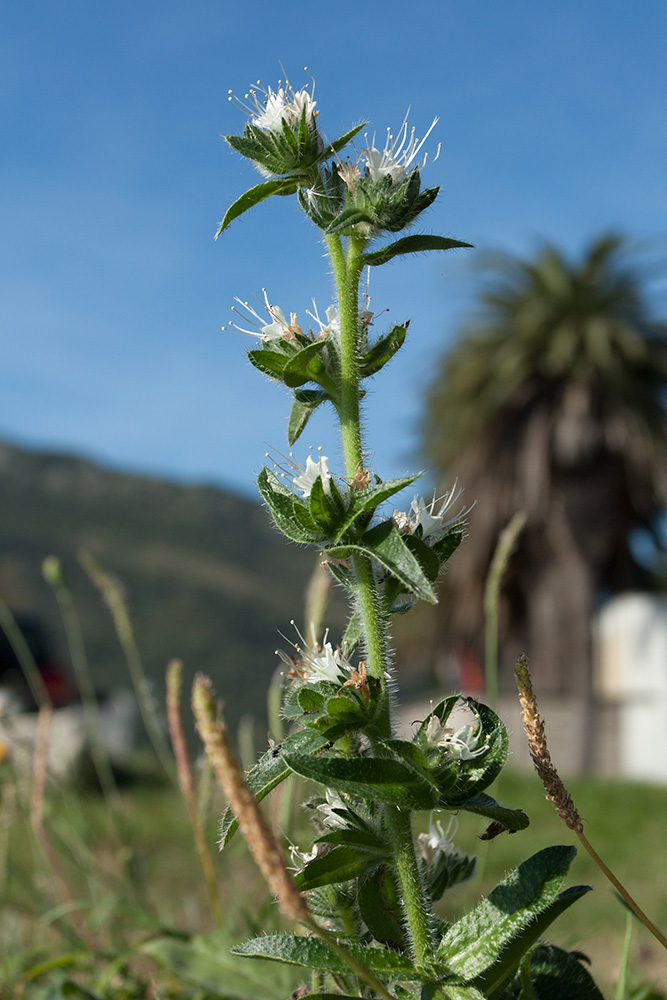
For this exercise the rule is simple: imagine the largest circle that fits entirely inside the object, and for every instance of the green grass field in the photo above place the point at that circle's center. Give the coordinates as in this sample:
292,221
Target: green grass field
133,875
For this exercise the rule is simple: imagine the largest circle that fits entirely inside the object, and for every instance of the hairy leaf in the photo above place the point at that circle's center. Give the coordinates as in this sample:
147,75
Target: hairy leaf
314,954
473,946
412,244
280,185
383,780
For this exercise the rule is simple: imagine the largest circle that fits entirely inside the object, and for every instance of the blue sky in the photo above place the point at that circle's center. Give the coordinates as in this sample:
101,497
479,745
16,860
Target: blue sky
113,178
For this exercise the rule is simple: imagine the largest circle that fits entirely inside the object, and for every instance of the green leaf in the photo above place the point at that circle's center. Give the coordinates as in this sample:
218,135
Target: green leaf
484,805
473,945
556,974
366,501
337,144
305,365
205,961
305,403
384,544
382,351
411,244
366,840
269,771
446,546
383,780
495,979
326,506
271,363
290,514
341,864
313,953
279,185
380,908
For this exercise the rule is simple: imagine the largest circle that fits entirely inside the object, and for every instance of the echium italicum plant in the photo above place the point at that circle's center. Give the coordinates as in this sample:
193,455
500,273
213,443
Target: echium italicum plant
363,895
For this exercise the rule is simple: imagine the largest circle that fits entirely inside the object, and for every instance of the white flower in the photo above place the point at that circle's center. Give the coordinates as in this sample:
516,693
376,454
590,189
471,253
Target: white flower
330,819
436,839
277,329
316,663
314,470
398,154
461,744
421,514
269,108
332,325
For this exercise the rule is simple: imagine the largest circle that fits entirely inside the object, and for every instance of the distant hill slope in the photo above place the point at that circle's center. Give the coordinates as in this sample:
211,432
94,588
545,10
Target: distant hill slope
207,578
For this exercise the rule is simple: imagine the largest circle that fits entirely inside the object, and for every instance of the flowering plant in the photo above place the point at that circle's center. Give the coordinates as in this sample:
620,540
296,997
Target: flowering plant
365,889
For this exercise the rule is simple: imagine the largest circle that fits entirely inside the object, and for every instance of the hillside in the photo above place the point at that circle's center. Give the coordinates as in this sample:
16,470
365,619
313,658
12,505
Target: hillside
206,577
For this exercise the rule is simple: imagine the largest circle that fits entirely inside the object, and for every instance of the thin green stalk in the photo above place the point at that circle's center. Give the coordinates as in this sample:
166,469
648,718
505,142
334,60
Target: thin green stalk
53,574
501,557
622,985
22,652
113,596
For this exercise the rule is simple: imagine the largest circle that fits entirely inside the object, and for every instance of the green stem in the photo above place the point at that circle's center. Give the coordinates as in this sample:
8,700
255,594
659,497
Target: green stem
416,912
347,269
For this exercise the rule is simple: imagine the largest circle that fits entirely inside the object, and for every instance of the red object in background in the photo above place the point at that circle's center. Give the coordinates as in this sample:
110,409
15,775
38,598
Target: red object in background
471,676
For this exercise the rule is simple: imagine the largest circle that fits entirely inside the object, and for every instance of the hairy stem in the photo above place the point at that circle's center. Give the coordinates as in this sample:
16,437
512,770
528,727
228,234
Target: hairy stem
347,270
414,901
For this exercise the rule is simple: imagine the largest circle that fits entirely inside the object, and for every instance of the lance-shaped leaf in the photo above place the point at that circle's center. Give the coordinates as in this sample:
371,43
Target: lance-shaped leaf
367,840
384,544
473,945
383,780
494,980
305,403
382,351
326,506
289,513
313,953
271,363
509,819
279,185
342,140
269,771
411,244
341,864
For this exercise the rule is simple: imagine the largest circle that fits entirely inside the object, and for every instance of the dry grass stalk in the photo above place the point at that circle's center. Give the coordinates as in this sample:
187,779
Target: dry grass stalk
556,791
40,773
187,785
252,824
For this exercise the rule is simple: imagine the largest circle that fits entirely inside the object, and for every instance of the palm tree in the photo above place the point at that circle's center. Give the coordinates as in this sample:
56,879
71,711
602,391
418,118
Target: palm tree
553,402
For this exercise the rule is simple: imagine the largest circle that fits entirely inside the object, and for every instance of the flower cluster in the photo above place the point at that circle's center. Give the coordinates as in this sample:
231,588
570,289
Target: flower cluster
464,743
422,519
268,108
316,663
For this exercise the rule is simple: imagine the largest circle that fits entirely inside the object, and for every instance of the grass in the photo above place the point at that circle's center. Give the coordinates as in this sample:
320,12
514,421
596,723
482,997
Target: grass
138,885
